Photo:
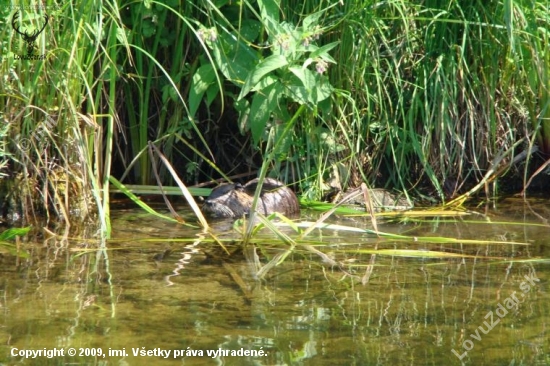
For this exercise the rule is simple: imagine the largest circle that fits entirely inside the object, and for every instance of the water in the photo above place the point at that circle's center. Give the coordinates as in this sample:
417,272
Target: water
164,287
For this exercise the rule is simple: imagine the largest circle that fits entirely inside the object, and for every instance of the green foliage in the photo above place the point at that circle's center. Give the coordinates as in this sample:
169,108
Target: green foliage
277,80
10,234
416,95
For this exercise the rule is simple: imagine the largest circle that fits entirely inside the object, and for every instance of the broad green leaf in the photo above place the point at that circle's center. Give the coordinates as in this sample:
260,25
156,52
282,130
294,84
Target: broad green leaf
269,10
305,75
260,111
310,97
243,108
202,79
299,94
328,58
259,114
324,49
325,107
313,90
265,82
10,234
168,91
233,58
250,29
312,20
212,93
148,29
322,91
269,64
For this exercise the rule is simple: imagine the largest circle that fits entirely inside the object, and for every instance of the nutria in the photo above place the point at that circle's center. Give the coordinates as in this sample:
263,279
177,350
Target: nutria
235,200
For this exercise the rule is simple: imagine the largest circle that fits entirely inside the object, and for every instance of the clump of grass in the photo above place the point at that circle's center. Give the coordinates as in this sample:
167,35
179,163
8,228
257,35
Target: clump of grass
437,93
61,111
42,148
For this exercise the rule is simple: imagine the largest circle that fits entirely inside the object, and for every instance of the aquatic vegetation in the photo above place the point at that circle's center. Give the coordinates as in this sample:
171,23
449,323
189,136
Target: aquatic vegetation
7,236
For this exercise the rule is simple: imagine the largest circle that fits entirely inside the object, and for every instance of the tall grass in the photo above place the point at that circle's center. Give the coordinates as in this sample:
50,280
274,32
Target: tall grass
443,88
38,96
63,124
61,110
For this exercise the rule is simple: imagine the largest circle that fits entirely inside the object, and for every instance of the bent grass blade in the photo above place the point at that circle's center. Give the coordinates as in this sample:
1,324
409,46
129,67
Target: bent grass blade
138,201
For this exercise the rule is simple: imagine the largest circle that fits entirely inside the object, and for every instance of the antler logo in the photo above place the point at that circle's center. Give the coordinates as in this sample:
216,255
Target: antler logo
29,37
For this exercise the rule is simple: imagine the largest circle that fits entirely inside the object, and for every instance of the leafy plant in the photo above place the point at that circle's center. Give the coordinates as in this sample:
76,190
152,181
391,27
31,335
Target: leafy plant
293,72
286,76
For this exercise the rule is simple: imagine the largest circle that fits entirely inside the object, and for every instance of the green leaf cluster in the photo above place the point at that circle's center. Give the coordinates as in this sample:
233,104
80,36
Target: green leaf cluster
284,70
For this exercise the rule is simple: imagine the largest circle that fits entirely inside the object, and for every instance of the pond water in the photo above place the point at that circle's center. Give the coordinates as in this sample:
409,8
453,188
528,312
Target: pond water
166,294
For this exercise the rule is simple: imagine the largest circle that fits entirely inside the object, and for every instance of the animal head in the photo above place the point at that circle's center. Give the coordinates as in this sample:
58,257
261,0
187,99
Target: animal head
29,37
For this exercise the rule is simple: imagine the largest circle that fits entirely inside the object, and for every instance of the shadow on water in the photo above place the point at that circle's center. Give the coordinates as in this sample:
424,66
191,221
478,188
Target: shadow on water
160,287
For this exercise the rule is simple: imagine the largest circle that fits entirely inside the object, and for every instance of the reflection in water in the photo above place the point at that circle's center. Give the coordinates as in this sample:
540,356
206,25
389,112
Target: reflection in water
153,293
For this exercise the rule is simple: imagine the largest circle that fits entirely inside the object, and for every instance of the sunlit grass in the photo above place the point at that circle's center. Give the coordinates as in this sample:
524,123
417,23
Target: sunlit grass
6,238
436,100
433,90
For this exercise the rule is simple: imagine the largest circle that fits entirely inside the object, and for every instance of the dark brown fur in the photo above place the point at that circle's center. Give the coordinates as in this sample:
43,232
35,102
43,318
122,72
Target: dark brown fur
235,200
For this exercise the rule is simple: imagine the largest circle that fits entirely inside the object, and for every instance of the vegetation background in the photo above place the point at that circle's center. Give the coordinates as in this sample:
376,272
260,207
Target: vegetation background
431,97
